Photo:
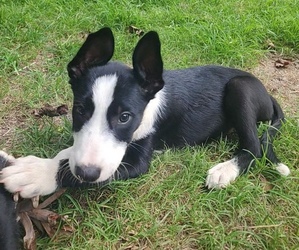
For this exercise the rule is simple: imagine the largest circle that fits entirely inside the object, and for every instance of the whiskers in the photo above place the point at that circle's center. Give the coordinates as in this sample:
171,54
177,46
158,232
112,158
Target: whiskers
138,147
127,170
65,176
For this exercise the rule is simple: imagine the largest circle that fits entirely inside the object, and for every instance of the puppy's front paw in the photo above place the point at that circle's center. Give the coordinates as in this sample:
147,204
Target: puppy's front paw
222,174
30,176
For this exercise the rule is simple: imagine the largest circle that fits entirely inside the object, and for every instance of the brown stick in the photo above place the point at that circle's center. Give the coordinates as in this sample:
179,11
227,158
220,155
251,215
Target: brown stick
51,199
29,238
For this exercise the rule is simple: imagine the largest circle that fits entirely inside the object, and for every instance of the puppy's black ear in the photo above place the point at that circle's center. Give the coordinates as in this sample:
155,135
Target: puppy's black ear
96,50
148,64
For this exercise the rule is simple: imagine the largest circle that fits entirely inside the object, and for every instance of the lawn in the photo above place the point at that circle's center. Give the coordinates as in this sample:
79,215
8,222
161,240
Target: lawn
168,208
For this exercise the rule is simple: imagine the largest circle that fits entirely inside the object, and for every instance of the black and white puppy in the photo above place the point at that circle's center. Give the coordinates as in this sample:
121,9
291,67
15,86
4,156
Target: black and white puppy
121,114
9,230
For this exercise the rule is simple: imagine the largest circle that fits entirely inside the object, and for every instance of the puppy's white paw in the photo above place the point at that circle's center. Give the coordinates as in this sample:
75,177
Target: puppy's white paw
222,174
30,176
283,169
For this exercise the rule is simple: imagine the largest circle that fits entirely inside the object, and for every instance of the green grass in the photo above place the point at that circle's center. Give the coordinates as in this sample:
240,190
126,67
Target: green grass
168,208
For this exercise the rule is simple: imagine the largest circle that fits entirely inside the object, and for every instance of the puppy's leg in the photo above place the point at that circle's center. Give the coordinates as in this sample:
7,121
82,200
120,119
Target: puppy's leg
246,102
268,137
136,160
223,173
31,176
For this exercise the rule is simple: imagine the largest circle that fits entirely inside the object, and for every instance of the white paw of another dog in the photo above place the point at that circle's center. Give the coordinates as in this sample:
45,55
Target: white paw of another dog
30,176
222,174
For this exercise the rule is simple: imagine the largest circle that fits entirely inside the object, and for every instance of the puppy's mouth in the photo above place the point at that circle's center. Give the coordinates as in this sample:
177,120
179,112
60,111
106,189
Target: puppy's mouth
94,162
93,173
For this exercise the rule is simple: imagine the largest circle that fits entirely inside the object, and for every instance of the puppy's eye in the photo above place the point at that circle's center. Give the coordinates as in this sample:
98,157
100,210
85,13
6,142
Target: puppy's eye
124,117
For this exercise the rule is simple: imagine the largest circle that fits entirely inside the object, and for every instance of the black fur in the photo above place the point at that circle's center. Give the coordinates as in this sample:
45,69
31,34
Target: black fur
200,103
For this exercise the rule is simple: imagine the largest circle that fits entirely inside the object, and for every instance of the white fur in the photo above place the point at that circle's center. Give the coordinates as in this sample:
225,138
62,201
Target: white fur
222,174
95,143
283,169
153,110
32,176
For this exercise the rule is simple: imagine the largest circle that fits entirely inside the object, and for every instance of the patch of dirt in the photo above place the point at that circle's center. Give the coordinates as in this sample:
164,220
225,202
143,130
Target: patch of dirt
282,82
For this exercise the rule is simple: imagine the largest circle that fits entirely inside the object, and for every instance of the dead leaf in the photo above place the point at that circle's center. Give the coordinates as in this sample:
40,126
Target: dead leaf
281,63
68,228
44,215
49,110
134,30
62,109
43,219
49,230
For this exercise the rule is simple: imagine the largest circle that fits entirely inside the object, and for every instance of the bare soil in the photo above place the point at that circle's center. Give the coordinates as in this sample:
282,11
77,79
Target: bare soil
282,81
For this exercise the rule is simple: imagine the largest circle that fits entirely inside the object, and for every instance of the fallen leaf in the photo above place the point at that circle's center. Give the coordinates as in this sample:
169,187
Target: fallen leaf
281,63
134,30
49,110
67,228
44,220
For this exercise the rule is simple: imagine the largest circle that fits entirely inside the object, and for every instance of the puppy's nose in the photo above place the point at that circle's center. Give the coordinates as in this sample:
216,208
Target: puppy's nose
88,173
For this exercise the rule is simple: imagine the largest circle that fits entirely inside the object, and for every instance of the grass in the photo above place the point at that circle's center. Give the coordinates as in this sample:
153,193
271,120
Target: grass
168,207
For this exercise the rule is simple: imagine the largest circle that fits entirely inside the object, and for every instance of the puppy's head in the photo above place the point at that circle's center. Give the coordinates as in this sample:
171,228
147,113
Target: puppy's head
113,104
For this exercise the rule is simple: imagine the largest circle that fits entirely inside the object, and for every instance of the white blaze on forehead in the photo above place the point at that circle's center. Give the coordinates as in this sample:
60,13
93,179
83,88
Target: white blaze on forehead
103,90
152,112
95,143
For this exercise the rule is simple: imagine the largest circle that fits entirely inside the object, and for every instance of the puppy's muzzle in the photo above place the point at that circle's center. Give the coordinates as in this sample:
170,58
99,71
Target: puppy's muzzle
89,173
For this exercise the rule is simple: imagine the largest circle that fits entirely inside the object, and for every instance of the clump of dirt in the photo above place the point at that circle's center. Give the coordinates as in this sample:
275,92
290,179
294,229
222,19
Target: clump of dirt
281,78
